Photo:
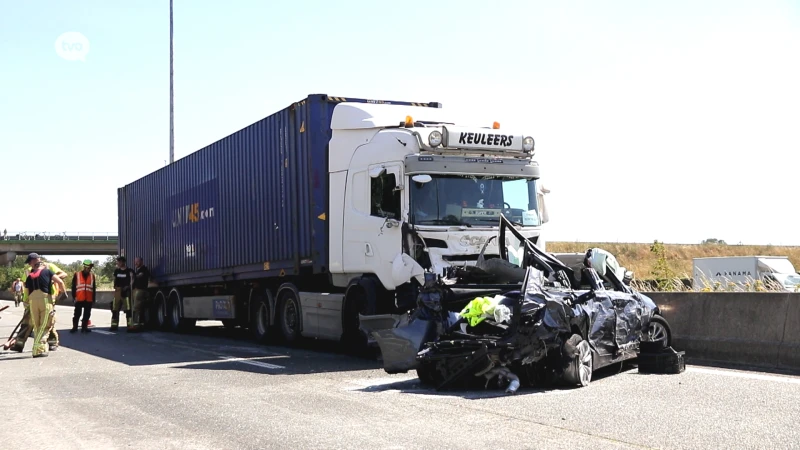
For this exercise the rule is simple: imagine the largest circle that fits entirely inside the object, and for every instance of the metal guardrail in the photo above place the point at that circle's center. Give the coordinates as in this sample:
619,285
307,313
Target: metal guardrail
63,236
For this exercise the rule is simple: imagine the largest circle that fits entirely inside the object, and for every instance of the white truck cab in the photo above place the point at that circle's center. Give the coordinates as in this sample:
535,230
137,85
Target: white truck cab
412,192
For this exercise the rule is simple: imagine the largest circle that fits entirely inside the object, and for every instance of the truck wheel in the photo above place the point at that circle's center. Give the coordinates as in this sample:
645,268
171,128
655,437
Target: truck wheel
259,320
173,313
289,315
578,353
174,320
159,311
353,339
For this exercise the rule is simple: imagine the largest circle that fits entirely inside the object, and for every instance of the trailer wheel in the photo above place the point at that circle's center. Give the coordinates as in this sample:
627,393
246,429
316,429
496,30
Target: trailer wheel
174,320
173,312
159,311
289,315
259,318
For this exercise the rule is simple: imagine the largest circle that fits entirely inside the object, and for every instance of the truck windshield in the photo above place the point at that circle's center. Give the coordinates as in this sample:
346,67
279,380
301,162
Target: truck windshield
474,200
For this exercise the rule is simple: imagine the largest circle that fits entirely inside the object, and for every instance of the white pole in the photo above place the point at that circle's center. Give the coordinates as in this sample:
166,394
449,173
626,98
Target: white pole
171,95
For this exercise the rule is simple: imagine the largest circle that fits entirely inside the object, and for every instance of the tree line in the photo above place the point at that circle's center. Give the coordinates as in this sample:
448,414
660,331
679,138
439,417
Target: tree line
104,271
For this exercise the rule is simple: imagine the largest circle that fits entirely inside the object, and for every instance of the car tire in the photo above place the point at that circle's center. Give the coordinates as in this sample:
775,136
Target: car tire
658,334
580,361
428,376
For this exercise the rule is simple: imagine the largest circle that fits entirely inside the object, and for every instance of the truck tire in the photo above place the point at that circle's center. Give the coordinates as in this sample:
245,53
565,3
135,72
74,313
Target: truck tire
259,319
158,314
174,321
289,314
357,301
173,312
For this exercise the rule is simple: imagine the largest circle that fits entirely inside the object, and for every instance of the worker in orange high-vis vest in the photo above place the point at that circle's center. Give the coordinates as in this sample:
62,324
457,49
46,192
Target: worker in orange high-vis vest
84,291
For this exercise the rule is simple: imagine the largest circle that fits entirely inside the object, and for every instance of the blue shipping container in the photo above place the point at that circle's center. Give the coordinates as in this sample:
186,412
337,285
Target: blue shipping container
250,205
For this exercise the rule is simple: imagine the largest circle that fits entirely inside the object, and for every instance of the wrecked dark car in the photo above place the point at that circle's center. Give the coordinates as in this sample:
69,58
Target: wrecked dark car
569,315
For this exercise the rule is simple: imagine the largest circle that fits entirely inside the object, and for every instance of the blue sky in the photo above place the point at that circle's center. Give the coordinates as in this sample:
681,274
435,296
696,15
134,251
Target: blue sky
676,121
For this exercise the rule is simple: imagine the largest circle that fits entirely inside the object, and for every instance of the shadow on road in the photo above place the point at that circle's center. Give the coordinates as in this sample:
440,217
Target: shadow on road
416,387
215,348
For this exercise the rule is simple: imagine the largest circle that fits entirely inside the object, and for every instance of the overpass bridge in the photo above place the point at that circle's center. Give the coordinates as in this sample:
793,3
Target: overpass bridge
65,243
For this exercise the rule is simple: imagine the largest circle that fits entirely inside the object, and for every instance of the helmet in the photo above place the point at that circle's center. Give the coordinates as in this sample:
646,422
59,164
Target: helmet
88,262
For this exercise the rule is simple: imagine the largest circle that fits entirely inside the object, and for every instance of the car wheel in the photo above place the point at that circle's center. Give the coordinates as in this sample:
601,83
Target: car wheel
658,333
580,364
428,375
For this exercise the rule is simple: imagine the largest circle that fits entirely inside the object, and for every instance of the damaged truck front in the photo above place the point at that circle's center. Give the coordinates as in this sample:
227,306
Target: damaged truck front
564,319
460,182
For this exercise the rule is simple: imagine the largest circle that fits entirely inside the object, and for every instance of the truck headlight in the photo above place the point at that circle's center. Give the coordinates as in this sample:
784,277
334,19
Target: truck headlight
527,144
435,138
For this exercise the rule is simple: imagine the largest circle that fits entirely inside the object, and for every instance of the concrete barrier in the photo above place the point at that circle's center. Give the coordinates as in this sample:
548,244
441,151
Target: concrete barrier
757,329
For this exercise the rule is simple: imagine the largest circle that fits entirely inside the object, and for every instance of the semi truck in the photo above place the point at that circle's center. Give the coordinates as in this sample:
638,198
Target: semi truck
774,272
327,211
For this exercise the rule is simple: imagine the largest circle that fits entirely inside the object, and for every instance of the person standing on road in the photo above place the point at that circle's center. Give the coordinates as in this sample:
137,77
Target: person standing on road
84,292
123,285
140,281
38,290
35,259
17,287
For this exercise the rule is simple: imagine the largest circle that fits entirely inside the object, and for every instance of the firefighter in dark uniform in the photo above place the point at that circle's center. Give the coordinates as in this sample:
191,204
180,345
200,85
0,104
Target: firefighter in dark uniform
123,287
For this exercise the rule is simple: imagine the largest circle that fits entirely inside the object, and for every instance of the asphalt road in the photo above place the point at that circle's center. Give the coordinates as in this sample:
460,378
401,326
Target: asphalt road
214,389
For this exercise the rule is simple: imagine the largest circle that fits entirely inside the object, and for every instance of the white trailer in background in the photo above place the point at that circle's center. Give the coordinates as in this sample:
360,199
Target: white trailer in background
775,271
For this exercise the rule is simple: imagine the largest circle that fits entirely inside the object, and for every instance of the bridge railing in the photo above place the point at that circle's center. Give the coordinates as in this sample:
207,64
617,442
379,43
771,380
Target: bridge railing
62,236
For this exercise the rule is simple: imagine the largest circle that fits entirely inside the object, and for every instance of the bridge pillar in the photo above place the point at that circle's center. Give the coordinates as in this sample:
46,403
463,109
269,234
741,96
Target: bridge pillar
8,258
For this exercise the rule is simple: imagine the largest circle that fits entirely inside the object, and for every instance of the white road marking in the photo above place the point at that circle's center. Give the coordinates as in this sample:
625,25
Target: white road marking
232,348
110,333
749,375
222,356
252,363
